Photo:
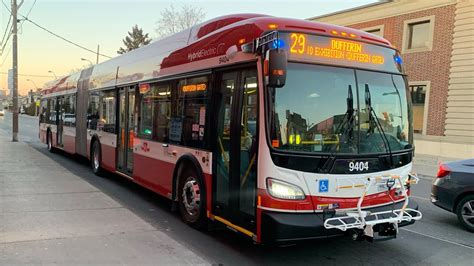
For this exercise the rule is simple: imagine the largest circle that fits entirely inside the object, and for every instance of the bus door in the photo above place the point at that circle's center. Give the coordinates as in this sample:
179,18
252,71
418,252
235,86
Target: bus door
126,129
235,167
60,120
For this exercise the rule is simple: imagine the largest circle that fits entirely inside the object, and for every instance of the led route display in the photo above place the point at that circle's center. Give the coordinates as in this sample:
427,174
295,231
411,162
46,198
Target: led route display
338,51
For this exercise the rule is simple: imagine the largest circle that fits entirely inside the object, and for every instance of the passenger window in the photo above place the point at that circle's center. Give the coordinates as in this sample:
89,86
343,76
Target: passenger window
93,110
146,98
192,110
162,112
107,121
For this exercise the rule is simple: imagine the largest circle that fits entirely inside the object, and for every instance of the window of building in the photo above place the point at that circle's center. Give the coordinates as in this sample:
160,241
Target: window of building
377,30
419,96
418,34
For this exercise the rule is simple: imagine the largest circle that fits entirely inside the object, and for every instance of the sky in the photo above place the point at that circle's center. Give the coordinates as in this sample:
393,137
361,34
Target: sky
106,22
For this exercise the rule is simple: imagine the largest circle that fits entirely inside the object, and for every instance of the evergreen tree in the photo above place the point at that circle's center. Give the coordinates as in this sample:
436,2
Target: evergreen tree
134,40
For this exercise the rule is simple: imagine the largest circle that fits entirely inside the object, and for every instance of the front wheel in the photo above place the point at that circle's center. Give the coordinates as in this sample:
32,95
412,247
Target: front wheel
96,159
465,212
49,141
192,199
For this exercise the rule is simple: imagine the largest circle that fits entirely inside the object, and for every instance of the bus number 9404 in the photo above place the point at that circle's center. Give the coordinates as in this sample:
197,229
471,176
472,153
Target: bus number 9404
358,166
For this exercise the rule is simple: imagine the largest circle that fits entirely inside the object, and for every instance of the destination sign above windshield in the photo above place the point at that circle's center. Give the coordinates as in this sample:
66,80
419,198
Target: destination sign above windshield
337,51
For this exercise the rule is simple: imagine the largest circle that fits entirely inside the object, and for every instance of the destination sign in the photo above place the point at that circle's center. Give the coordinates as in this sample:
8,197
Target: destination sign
337,51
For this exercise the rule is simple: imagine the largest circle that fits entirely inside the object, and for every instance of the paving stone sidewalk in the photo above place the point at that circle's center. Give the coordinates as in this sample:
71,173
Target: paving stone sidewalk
48,215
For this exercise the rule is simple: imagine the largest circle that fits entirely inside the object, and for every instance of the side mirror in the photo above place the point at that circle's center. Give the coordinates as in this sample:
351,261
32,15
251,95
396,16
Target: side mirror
277,63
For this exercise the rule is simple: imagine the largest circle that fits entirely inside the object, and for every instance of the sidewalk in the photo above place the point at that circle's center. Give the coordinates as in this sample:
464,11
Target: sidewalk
51,216
427,165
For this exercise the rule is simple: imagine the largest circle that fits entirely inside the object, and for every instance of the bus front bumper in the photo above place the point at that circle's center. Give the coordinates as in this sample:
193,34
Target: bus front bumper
287,227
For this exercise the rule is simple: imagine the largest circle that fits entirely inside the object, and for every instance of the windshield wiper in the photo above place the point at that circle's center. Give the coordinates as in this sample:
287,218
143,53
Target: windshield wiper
376,122
347,120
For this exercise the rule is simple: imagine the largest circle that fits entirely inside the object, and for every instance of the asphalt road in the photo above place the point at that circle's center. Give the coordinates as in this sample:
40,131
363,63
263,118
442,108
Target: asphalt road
436,239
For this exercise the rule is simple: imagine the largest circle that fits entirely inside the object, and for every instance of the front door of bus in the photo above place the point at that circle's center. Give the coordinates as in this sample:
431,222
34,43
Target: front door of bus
236,148
126,131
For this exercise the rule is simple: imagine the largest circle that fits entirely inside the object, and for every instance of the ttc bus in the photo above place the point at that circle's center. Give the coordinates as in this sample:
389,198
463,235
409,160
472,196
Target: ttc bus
280,129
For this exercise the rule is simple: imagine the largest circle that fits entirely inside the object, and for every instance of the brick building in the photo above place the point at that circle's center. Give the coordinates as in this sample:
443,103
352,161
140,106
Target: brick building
436,39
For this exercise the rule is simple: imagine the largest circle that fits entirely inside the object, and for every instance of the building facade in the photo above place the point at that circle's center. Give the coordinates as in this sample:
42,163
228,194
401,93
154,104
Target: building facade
436,40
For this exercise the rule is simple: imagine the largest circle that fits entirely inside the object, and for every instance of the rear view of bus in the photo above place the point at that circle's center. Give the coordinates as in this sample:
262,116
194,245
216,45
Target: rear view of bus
339,134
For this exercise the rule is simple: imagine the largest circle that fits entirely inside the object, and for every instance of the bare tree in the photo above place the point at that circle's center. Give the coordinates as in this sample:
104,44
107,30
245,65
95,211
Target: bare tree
135,39
173,20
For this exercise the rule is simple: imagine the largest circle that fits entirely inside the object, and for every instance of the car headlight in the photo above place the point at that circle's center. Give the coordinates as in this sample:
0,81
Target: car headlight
283,190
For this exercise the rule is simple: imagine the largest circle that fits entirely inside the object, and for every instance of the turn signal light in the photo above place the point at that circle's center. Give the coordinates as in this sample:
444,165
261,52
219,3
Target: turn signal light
272,26
443,171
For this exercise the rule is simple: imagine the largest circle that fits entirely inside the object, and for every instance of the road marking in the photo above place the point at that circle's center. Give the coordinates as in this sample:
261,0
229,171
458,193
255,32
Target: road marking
440,239
416,197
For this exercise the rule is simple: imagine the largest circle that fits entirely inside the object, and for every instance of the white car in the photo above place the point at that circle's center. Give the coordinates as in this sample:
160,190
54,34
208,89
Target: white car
2,112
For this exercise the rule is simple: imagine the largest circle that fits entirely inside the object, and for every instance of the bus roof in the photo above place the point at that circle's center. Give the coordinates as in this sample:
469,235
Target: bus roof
203,43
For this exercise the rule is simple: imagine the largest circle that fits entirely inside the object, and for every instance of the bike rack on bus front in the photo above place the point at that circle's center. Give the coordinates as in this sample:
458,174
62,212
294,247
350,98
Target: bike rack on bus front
364,221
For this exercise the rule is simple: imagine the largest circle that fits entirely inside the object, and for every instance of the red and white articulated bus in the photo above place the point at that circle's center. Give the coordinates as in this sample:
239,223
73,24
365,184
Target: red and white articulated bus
280,129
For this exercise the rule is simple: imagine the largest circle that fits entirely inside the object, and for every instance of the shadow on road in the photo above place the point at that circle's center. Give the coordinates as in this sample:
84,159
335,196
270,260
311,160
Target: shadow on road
226,247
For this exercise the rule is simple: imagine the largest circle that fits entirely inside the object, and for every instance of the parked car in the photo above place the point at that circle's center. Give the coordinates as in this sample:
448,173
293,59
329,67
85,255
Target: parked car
453,190
2,112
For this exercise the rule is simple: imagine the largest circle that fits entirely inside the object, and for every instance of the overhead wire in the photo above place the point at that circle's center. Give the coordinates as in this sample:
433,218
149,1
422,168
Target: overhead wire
6,30
4,41
27,14
25,18
31,75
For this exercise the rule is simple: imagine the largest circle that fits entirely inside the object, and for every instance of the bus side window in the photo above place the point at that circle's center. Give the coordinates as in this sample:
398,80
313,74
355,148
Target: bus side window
106,119
192,109
93,111
162,112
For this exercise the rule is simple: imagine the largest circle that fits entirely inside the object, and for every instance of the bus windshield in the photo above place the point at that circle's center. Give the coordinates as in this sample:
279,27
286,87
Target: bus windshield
324,109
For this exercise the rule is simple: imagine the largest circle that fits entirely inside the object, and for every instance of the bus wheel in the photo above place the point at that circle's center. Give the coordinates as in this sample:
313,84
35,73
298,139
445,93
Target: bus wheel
96,158
49,141
192,199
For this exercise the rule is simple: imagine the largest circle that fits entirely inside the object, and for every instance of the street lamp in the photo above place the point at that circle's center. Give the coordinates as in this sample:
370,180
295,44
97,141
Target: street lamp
33,83
53,74
85,59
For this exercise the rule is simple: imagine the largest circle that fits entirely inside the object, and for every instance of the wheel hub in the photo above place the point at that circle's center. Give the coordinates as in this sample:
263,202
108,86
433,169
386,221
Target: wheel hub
468,212
96,159
191,196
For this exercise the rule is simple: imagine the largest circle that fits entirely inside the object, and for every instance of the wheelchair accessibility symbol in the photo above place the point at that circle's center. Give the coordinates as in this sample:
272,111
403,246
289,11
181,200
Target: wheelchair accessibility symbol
323,185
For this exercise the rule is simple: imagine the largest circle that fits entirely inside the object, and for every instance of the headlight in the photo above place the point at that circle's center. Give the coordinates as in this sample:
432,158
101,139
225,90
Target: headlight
283,190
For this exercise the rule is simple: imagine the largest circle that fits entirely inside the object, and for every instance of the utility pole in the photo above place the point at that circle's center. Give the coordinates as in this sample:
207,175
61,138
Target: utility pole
15,70
97,61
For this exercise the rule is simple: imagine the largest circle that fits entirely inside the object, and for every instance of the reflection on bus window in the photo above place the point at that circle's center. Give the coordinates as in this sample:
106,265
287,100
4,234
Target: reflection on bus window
317,111
93,110
107,112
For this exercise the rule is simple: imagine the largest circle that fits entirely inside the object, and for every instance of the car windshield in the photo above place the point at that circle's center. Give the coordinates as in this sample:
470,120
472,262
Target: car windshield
324,109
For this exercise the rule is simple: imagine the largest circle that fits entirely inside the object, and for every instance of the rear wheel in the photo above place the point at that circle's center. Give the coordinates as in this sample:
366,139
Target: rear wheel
49,141
465,212
192,199
96,158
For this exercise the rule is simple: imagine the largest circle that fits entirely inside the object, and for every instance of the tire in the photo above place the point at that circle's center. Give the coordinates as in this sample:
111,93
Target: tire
96,159
49,142
192,199
466,214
